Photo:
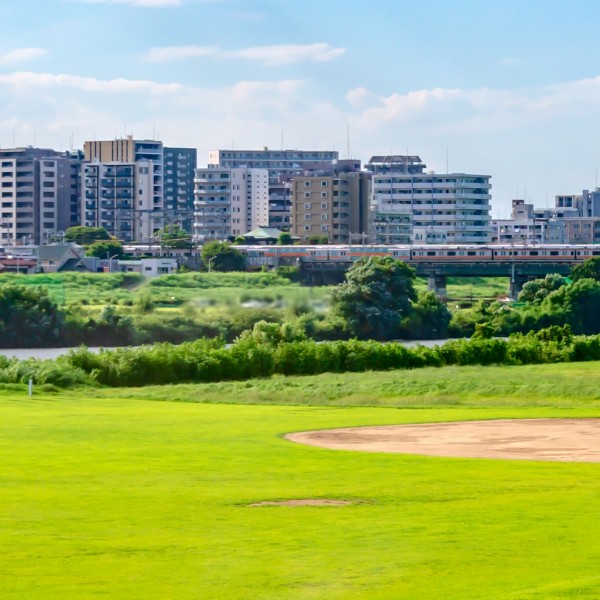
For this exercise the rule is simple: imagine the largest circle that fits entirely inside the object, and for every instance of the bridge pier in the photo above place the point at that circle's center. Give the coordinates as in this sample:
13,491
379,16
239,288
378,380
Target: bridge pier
437,285
517,282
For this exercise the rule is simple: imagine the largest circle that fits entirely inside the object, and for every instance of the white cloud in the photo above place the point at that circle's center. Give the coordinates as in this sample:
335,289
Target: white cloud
28,80
21,55
285,54
281,54
179,52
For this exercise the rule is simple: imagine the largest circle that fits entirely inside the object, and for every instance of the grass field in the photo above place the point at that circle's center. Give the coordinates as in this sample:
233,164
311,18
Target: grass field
124,496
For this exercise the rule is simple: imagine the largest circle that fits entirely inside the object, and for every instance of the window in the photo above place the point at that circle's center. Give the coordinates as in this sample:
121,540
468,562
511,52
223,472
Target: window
324,204
307,194
307,184
324,216
323,194
323,184
307,228
308,205
324,228
307,217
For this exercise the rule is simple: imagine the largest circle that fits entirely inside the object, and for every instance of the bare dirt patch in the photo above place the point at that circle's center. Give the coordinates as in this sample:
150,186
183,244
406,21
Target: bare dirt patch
304,502
519,439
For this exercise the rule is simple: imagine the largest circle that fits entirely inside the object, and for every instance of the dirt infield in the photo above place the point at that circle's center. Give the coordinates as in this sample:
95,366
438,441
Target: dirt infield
520,439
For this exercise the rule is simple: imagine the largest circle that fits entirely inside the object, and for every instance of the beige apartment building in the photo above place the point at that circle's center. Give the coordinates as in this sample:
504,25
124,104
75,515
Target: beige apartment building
332,206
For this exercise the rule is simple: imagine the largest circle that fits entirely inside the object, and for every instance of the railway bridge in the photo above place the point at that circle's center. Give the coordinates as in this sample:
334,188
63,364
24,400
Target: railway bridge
519,272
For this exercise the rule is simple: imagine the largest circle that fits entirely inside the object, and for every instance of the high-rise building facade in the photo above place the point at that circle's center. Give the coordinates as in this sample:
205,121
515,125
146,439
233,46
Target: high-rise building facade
179,166
281,166
39,191
119,196
229,202
335,207
414,206
172,184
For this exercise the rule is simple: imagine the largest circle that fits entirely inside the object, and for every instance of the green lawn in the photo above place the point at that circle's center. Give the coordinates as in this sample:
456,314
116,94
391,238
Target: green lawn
125,497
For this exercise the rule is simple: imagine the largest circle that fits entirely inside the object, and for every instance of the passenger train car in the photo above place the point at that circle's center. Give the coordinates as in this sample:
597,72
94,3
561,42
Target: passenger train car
272,256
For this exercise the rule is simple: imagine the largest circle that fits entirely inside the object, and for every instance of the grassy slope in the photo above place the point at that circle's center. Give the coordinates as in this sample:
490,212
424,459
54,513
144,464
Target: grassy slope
125,498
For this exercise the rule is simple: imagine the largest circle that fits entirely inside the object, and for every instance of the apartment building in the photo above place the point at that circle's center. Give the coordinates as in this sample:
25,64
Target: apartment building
179,166
332,206
119,196
172,185
414,206
229,201
281,165
39,193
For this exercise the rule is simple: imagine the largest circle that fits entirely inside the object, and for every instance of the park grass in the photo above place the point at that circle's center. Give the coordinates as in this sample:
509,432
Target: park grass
122,497
566,385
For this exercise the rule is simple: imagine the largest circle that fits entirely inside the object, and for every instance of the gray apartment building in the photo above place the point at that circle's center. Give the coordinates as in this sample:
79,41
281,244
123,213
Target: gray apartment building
39,192
411,205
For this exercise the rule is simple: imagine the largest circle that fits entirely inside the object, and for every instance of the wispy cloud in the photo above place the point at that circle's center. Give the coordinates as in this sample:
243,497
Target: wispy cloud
27,80
275,55
21,55
509,61
180,52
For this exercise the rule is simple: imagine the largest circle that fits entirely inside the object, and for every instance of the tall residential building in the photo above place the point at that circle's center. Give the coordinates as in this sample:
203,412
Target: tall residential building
39,193
229,201
172,189
335,206
180,164
414,206
119,196
281,165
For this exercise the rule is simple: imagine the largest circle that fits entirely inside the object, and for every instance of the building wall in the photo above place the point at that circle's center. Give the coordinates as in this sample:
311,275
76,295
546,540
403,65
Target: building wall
179,167
333,206
36,193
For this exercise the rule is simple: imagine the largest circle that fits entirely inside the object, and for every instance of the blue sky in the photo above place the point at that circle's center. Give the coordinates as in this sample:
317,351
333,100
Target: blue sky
507,88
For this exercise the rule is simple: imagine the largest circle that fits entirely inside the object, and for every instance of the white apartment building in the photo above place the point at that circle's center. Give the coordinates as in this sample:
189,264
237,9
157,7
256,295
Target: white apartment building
229,201
119,196
38,194
412,206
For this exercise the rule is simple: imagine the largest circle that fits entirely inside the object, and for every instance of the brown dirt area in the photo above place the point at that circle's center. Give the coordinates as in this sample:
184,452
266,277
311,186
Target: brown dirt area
305,502
519,439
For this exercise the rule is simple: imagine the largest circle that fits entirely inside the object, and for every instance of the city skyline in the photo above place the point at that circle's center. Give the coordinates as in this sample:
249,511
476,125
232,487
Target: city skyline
508,90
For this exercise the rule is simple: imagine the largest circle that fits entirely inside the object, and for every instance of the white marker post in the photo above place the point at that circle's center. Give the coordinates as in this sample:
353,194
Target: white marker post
30,388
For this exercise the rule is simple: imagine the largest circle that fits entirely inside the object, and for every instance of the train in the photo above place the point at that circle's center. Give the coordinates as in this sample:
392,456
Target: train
273,256
258,256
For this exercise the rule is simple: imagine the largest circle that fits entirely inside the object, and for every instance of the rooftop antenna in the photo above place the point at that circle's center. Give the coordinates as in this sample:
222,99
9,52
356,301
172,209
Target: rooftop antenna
447,170
596,185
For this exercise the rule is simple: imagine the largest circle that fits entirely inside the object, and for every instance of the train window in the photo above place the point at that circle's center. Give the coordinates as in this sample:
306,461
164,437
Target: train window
534,252
595,253
553,252
451,253
471,253
431,254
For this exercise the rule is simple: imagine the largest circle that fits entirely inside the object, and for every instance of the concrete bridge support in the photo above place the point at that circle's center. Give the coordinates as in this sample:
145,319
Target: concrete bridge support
437,285
517,282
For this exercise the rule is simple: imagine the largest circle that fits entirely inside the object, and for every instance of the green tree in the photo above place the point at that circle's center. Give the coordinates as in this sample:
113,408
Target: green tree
430,318
84,236
535,291
576,305
28,317
172,236
109,249
317,239
285,239
377,294
590,269
222,256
